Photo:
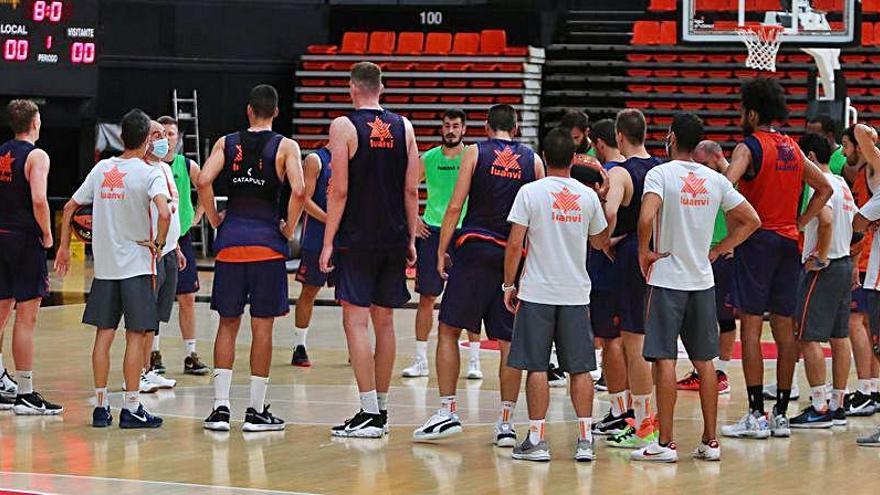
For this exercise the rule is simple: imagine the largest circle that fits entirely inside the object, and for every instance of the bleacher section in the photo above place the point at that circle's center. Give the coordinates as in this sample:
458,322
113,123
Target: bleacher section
423,75
605,61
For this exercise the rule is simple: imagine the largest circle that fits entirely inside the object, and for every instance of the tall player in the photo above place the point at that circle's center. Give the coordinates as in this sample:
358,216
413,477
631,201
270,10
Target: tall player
439,170
372,220
25,234
491,174
769,168
623,202
251,248
186,175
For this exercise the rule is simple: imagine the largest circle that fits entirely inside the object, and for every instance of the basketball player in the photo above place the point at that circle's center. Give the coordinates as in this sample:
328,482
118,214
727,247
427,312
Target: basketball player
578,124
25,235
769,168
681,201
824,296
491,174
827,127
372,220
125,248
558,215
623,201
439,170
186,174
710,154
251,248
316,171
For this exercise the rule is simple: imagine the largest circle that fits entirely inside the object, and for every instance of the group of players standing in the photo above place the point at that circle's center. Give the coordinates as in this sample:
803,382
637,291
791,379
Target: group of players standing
661,265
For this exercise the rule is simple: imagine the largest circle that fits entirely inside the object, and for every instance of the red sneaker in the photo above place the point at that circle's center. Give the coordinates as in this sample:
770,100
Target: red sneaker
723,383
691,382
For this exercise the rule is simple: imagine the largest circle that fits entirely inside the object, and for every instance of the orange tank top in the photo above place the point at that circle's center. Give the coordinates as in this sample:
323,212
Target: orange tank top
861,194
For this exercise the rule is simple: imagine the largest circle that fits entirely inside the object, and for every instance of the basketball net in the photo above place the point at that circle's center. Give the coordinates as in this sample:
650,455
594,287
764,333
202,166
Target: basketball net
762,42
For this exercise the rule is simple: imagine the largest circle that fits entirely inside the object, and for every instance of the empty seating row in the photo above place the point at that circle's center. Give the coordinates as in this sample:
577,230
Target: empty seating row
488,42
398,99
345,65
419,83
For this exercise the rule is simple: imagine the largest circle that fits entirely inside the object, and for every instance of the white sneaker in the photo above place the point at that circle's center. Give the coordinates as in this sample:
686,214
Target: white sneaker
710,452
505,435
752,425
145,386
779,426
441,425
419,368
159,380
474,372
770,391
8,387
655,453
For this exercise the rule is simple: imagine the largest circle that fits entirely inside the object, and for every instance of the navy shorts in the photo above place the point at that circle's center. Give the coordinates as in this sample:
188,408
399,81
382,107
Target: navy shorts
23,272
372,278
606,322
428,281
722,270
262,284
630,287
309,271
473,292
767,267
859,301
188,279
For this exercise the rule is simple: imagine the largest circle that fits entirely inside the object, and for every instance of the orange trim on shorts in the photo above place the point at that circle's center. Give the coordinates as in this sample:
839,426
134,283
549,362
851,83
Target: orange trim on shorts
248,254
803,322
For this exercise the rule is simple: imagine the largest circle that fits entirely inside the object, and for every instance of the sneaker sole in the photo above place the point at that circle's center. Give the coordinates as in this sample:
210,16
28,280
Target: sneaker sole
411,375
707,458
6,407
475,376
371,432
781,434
429,437
302,365
813,426
749,436
218,426
874,445
506,442
860,413
139,426
103,425
535,457
839,422
585,457
626,447
658,460
27,411
257,428
150,390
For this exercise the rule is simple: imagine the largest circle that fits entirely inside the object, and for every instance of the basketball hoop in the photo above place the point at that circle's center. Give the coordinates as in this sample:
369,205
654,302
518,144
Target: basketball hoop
763,44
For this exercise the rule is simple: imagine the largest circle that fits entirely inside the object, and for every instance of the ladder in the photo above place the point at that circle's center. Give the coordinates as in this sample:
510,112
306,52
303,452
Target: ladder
186,112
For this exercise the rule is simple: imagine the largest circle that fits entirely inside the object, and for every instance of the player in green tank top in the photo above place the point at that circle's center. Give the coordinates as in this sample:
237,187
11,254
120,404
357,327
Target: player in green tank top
440,172
824,125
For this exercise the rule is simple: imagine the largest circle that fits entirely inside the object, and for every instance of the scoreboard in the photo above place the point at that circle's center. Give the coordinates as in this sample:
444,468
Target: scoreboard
49,47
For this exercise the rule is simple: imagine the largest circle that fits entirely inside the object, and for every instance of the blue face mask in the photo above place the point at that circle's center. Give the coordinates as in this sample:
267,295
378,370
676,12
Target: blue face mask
160,148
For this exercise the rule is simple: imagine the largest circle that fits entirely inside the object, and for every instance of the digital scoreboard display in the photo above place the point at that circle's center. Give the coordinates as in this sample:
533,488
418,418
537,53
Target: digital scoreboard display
49,47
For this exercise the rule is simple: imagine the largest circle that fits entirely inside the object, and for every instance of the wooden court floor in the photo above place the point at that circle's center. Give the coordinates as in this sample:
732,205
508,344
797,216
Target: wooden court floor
66,455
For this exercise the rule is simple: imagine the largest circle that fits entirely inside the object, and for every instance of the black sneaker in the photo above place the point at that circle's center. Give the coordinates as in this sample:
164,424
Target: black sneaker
362,425
6,403
811,418
601,386
192,365
261,421
612,425
218,420
101,417
138,419
33,404
384,413
300,357
156,362
858,404
556,377
839,416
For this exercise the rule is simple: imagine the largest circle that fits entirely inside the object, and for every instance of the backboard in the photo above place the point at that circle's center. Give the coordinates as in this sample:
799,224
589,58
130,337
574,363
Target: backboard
825,23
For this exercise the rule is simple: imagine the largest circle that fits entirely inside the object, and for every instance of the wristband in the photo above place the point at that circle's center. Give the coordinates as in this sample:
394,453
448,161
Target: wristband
508,288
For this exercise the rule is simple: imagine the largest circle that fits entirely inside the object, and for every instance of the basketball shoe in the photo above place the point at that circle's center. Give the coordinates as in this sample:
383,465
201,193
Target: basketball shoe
839,416
361,425
691,382
218,420
300,357
811,418
156,362
261,421
193,365
138,419
33,404
779,425
158,380
708,451
654,452
101,417
635,438
584,452
474,372
858,404
8,386
600,384
6,403
505,434
442,424
418,368
872,440
613,425
526,451
752,425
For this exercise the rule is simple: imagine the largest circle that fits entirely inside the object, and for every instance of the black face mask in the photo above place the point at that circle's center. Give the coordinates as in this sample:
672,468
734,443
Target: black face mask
583,147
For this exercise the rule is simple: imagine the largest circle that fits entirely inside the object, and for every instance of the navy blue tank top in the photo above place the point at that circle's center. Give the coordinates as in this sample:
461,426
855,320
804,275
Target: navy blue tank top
254,192
628,216
503,167
16,208
375,215
313,229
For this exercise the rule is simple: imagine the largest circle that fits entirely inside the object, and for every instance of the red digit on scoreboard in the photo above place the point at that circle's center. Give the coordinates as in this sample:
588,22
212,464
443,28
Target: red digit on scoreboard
16,50
48,10
88,53
76,52
39,11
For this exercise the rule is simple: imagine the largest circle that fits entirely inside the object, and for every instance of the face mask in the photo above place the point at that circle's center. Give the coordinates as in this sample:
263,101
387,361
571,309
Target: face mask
160,148
668,148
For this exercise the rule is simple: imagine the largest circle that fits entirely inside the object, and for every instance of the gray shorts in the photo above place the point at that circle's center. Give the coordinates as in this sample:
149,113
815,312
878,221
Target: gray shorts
537,326
166,281
823,302
671,313
133,298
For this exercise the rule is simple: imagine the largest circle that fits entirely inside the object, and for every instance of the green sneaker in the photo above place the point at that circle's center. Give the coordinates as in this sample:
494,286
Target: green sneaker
632,438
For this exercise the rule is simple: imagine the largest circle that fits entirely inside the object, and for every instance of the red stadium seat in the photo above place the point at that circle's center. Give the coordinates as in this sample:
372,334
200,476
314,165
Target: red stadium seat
311,114
668,33
438,44
516,51
452,99
454,83
646,33
381,43
399,66
321,49
455,66
398,83
354,43
396,98
665,57
693,74
410,43
466,44
872,6
666,73
313,82
510,84
483,83
662,6
868,30
767,5
426,83
493,41
316,65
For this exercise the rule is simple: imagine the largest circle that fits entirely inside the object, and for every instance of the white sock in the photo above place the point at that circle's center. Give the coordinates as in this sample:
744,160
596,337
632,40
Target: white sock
864,386
155,343
25,382
259,384
818,397
837,396
370,402
474,350
131,401
448,404
382,400
875,385
536,431
618,403
101,397
585,428
720,365
222,384
642,408
189,346
506,413
299,336
422,350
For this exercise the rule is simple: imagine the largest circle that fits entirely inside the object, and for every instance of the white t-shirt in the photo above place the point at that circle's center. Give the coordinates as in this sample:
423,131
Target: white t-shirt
691,194
843,209
871,211
174,205
560,214
120,192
